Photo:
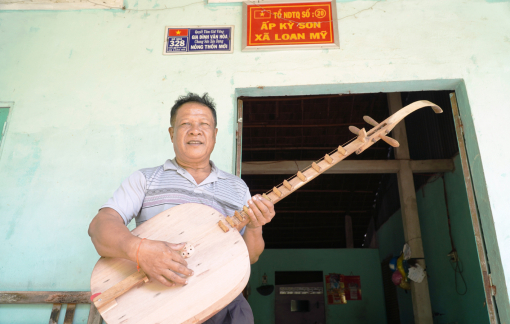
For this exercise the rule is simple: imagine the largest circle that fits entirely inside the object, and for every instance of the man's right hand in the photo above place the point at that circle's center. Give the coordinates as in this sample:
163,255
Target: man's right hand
160,260
163,262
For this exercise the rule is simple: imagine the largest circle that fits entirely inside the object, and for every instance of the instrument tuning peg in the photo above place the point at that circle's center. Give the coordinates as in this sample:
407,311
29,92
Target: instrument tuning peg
362,135
391,141
370,121
354,130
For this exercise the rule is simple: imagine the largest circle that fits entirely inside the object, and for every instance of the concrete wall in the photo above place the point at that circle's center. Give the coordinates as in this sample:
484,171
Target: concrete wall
362,262
91,93
466,306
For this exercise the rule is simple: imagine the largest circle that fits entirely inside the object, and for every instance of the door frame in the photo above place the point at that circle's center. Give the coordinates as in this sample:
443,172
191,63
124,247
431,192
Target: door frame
490,261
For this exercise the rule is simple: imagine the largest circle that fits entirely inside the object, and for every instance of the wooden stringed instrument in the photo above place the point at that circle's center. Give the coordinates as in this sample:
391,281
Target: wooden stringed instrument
215,250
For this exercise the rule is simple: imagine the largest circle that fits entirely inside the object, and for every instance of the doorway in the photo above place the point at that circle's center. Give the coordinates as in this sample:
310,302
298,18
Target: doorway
357,204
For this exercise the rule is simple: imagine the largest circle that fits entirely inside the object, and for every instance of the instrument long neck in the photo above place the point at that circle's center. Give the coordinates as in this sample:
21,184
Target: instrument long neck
357,145
302,177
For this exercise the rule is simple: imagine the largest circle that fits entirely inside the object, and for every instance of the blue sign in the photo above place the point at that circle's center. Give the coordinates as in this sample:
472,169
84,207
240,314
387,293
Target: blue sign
195,40
177,44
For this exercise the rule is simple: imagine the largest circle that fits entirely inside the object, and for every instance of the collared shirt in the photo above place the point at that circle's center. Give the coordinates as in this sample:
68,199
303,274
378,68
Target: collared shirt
148,192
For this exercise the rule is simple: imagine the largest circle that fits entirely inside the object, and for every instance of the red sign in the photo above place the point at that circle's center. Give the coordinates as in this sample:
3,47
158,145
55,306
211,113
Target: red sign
290,24
352,287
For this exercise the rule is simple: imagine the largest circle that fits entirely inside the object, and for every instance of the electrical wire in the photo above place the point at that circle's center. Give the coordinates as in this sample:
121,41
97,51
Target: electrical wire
456,263
458,268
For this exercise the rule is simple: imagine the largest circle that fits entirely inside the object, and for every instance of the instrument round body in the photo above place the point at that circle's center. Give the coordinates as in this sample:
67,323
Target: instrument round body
220,261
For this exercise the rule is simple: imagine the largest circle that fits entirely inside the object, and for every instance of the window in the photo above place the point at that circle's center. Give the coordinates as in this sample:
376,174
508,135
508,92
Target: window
4,112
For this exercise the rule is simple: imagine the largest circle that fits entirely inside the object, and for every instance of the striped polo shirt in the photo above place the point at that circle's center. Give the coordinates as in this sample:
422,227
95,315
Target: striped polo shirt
148,192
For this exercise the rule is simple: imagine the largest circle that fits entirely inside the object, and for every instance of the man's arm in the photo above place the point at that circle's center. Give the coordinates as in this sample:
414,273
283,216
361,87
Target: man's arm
111,237
157,259
261,212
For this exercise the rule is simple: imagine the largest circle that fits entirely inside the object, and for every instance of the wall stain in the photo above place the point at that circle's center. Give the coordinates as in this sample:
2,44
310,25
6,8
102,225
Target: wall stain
149,49
31,169
34,29
11,227
70,53
218,73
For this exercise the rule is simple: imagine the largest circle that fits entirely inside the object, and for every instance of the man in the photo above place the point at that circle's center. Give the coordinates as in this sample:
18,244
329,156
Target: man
190,177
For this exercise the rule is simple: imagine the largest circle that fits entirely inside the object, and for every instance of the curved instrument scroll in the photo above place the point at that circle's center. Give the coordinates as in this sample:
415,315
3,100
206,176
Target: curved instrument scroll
357,145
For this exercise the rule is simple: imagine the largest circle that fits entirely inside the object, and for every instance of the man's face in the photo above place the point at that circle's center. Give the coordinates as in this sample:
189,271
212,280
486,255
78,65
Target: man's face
193,133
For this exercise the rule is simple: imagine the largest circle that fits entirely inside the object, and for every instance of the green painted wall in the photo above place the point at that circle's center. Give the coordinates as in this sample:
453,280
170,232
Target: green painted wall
362,262
468,308
92,91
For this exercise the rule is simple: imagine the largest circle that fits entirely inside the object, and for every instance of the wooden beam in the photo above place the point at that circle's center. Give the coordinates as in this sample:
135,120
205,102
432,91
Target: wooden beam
94,316
422,308
299,126
55,313
399,132
291,148
294,148
44,297
412,233
68,319
348,167
432,166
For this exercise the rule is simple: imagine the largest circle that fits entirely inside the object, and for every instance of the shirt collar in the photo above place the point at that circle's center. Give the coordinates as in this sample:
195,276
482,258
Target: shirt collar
215,171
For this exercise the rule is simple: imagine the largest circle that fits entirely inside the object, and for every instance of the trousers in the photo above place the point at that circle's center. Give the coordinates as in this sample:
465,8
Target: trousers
237,312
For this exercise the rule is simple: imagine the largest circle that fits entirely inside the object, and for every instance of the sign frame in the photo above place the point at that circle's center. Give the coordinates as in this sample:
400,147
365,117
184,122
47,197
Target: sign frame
231,40
245,47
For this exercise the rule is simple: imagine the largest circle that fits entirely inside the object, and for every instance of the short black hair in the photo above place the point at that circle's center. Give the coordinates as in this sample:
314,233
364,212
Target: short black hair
193,97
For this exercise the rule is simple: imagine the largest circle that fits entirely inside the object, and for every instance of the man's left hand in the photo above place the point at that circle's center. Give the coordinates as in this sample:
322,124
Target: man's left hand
261,211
